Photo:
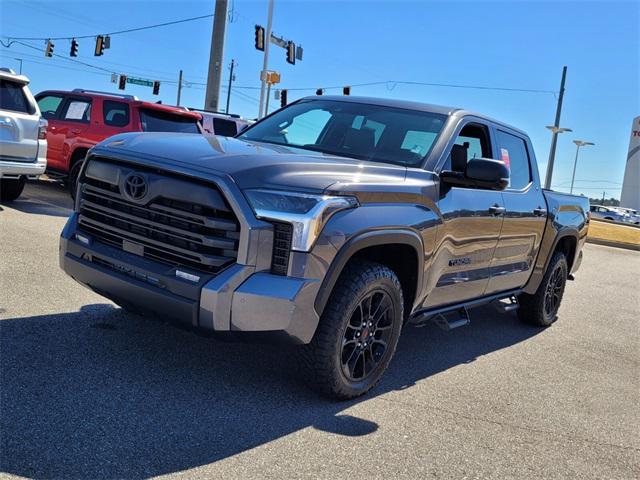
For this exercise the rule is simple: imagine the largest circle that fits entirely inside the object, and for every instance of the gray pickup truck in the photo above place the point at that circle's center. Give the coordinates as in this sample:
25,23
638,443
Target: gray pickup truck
331,224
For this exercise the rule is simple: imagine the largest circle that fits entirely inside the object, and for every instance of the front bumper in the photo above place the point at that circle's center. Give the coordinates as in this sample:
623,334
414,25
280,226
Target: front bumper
239,301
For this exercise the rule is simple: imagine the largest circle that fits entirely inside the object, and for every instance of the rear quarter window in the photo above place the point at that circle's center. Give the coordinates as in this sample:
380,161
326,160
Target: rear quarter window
223,127
13,98
157,121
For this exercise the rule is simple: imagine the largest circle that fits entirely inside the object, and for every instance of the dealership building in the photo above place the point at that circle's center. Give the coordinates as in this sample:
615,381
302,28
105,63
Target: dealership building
630,196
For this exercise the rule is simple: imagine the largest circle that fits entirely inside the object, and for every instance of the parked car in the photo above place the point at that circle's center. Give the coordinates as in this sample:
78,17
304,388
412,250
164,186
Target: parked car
630,215
339,220
607,213
217,123
23,146
81,118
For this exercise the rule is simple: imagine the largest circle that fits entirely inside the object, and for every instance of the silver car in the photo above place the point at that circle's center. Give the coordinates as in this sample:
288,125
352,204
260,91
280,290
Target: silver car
606,213
23,144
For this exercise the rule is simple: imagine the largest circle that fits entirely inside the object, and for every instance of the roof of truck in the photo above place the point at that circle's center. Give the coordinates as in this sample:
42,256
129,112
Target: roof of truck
410,105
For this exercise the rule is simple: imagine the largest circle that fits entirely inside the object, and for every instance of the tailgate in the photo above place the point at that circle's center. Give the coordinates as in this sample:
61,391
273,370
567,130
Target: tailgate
18,137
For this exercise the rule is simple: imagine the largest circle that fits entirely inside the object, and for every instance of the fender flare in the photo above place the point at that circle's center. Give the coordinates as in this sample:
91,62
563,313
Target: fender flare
363,240
76,147
534,281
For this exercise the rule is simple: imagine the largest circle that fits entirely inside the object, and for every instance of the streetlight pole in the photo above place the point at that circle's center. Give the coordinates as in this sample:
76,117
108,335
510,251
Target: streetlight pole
555,131
579,143
554,137
265,65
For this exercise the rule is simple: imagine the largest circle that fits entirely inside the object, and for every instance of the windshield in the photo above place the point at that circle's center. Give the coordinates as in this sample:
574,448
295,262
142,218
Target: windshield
157,121
357,130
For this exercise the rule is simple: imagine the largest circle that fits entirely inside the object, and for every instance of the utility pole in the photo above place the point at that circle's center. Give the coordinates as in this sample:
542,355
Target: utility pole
216,54
603,193
229,89
179,87
265,65
20,60
554,136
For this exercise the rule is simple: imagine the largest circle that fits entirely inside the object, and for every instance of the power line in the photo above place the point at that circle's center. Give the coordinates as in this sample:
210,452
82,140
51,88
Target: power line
118,32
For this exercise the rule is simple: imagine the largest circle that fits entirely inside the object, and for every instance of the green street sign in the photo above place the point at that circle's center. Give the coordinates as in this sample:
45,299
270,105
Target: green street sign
140,81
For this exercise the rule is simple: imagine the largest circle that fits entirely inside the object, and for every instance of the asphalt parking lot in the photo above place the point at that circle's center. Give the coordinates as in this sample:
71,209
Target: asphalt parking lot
89,392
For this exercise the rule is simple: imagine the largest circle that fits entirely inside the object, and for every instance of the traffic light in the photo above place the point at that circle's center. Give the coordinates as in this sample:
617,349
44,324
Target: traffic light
74,48
283,98
122,82
291,52
49,50
346,90
156,87
319,91
259,38
99,46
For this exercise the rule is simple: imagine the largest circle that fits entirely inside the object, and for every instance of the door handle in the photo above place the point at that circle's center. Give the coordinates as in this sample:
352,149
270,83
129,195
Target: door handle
539,212
5,122
75,131
497,210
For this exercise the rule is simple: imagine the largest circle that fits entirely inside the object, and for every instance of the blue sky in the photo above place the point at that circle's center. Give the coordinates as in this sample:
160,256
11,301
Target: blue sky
510,44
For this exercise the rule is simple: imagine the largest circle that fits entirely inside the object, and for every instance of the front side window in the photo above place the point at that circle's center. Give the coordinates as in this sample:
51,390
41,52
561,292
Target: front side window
513,152
13,98
49,105
116,114
357,130
471,142
157,121
77,110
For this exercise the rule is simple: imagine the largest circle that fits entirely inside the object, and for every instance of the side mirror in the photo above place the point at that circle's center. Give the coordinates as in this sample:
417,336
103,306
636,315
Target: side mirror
480,173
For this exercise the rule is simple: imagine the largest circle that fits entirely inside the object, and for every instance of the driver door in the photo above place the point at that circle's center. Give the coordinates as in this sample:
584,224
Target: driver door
471,225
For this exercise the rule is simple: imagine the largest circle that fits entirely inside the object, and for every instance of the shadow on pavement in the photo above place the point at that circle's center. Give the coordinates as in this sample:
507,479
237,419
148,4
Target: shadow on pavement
101,394
43,198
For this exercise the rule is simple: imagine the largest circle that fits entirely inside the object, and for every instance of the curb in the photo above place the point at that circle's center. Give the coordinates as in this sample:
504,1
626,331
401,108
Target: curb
608,243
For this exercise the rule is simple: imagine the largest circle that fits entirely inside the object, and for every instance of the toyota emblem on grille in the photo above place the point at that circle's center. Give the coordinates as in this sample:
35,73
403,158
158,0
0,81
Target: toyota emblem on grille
135,186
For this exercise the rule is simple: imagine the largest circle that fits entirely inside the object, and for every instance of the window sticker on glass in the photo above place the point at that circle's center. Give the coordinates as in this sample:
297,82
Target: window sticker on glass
76,110
505,157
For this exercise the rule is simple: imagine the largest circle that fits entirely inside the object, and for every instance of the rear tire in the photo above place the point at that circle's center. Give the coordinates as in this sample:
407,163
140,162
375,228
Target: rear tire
72,181
358,332
541,308
11,189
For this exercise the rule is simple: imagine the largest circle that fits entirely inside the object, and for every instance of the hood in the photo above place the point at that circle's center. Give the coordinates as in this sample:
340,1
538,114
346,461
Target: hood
252,164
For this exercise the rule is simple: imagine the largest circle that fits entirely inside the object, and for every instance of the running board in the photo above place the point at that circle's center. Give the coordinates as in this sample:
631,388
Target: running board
508,304
454,316
446,320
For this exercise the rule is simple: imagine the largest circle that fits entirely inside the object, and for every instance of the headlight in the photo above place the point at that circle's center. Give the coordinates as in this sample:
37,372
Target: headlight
307,213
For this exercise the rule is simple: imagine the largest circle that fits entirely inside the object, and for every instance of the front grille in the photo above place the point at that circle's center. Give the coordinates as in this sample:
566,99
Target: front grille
167,230
282,233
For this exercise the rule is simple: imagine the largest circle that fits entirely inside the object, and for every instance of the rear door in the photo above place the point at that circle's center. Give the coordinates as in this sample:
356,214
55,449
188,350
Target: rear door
19,123
525,216
72,122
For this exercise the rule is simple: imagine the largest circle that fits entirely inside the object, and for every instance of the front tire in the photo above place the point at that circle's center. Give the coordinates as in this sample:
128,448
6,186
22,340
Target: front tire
11,189
358,332
541,308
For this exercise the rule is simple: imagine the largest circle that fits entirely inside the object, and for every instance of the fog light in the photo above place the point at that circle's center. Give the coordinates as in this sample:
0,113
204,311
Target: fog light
187,276
83,239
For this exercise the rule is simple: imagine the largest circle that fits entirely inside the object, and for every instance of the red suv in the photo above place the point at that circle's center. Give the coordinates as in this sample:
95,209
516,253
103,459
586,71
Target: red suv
81,118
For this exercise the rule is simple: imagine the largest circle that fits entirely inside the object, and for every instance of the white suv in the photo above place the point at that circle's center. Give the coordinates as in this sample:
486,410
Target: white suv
23,144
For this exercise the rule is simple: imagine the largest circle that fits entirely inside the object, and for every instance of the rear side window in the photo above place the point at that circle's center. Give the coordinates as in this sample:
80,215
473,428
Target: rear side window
156,121
223,127
13,98
513,152
116,114
77,110
49,105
